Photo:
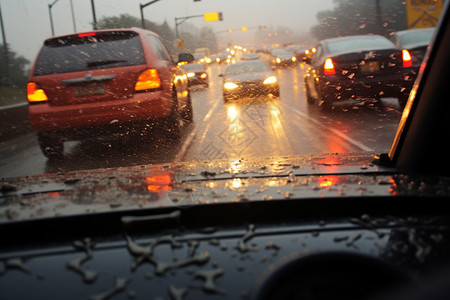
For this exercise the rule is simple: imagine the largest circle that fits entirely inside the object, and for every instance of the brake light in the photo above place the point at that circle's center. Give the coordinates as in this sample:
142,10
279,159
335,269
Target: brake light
407,60
35,94
148,80
87,34
328,67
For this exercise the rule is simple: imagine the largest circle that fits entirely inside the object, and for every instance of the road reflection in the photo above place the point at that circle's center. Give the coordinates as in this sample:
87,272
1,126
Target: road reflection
118,151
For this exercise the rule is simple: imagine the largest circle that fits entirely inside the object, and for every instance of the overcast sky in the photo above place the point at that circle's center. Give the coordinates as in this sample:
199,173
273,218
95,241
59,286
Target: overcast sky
27,22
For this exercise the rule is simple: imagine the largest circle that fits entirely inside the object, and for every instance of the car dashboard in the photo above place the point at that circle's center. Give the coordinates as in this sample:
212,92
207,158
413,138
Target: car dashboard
342,229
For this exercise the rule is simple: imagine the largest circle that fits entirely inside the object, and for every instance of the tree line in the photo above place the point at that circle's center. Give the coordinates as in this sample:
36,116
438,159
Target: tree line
353,17
193,37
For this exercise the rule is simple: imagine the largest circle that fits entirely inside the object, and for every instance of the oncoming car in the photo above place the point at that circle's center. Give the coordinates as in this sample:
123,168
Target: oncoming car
88,84
248,79
368,66
282,58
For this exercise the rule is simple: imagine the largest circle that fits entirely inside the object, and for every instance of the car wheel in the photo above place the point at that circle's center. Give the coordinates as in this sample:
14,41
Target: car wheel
188,113
309,98
276,93
324,101
173,120
402,99
51,146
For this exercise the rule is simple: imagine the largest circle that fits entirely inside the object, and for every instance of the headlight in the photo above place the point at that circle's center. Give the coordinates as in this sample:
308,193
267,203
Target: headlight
230,85
269,80
190,74
294,58
278,60
203,76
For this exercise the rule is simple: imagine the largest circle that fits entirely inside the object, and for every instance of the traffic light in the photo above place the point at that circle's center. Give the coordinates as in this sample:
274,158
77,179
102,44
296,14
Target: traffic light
213,16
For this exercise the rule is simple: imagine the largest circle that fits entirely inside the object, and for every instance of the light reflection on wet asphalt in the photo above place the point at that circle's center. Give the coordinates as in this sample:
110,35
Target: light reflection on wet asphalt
242,128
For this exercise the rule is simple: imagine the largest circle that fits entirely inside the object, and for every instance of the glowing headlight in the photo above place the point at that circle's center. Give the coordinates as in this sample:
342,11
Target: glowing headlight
203,76
230,85
294,58
278,60
269,80
190,74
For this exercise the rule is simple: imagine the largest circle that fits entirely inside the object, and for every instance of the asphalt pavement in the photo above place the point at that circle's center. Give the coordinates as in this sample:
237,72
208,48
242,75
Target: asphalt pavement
250,127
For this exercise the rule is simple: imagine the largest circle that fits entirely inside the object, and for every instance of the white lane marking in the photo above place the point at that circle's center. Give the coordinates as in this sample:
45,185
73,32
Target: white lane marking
193,134
335,131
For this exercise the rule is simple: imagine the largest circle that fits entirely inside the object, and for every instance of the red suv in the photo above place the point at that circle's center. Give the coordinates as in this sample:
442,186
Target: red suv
95,83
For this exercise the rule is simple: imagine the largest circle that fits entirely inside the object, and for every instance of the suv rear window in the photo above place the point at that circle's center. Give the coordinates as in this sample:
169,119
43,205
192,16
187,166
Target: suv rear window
89,52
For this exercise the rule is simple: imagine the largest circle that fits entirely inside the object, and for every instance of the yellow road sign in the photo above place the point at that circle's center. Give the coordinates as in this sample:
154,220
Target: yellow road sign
423,13
213,16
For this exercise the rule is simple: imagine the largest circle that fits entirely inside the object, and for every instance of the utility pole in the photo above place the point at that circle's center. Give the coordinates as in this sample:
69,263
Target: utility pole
379,18
94,18
5,46
142,6
51,16
73,17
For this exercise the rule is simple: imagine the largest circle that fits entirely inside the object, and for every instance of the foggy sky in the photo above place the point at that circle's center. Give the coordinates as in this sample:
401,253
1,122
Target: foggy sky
27,22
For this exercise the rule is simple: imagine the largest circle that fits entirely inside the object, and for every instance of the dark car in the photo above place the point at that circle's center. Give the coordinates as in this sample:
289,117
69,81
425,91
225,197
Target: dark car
282,58
196,74
92,83
362,66
416,41
248,79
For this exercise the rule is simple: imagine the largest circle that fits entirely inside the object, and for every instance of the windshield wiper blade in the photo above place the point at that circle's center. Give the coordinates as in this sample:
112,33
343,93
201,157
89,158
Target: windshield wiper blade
103,62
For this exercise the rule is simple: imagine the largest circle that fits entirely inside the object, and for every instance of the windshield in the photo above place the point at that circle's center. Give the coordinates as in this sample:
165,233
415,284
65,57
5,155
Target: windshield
98,96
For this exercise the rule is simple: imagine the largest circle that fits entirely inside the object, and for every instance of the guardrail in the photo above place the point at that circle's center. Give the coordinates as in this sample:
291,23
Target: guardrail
14,121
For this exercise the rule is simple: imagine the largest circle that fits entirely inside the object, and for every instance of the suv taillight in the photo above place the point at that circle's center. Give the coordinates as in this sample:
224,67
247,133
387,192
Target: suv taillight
407,61
148,80
328,67
35,94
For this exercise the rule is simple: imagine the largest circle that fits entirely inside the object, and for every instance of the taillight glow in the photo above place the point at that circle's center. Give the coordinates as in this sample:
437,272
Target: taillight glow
328,67
407,61
35,94
148,80
87,34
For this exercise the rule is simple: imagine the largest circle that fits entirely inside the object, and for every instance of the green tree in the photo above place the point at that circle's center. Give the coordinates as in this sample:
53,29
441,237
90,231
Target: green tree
124,21
351,17
14,68
128,21
207,39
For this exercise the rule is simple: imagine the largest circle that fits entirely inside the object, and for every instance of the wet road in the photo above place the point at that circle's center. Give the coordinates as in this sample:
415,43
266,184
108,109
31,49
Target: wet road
238,129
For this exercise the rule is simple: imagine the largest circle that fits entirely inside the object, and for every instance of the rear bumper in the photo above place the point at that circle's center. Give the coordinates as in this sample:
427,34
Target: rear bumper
370,87
142,106
197,81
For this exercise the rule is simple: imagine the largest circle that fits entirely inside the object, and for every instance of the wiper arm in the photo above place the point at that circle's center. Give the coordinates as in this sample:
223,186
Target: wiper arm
103,62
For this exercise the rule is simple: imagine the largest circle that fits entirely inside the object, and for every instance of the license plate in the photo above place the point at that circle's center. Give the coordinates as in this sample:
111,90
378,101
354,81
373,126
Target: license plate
370,67
89,90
